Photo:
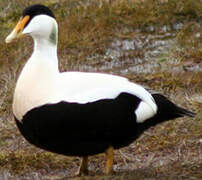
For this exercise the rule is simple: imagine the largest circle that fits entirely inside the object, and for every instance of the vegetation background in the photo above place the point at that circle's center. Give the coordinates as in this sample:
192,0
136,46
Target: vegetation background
157,43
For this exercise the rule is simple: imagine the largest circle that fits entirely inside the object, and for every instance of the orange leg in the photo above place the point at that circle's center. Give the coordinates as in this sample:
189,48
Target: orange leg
83,169
110,158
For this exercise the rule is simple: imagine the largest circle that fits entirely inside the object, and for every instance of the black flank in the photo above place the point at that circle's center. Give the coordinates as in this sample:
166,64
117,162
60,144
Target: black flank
87,129
82,129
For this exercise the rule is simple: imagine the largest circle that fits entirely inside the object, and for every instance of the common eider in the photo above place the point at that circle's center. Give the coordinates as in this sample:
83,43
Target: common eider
78,113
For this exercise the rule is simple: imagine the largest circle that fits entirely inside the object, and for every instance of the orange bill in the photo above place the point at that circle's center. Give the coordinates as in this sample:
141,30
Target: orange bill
17,31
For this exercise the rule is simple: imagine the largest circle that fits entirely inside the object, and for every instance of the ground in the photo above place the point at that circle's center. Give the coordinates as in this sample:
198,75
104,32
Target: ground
155,44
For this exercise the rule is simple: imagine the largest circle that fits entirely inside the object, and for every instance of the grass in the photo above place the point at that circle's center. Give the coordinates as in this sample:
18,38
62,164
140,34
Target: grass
90,25
87,29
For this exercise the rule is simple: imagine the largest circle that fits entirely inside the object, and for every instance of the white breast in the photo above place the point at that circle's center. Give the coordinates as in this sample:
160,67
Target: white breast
35,86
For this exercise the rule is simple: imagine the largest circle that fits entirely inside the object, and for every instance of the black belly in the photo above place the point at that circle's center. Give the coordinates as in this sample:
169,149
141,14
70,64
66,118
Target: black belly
82,129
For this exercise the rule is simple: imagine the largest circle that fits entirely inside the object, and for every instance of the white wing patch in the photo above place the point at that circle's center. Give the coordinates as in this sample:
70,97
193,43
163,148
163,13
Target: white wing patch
144,112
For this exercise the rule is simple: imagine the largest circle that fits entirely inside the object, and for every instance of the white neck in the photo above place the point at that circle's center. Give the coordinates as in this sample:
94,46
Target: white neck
43,48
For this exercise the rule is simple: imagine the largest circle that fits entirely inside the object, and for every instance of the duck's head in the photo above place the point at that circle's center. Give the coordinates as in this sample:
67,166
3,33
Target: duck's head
38,21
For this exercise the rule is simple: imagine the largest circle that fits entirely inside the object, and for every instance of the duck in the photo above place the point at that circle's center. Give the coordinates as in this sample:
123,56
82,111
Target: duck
78,113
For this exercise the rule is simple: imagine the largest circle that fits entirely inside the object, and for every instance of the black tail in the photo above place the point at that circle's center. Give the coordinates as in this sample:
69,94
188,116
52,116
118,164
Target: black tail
168,110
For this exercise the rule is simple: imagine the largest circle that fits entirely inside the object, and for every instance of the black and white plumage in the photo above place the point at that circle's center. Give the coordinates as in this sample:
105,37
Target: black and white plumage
77,113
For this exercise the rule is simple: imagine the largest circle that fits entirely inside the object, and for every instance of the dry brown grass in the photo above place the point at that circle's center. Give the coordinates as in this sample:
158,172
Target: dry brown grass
87,28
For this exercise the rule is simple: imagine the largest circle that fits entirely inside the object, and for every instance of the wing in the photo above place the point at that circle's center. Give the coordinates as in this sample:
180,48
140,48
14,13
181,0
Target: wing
83,88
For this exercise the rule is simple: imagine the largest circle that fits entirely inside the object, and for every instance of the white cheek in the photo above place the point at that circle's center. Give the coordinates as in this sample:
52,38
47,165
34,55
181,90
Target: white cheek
33,26
144,112
39,25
